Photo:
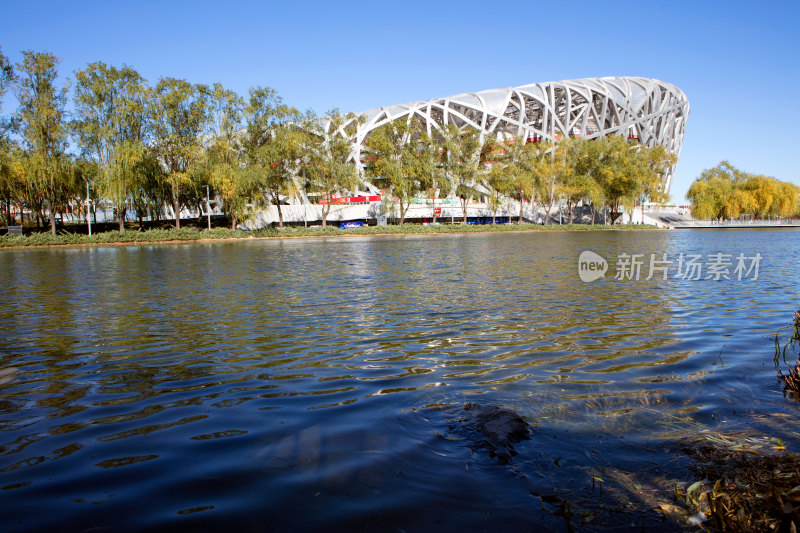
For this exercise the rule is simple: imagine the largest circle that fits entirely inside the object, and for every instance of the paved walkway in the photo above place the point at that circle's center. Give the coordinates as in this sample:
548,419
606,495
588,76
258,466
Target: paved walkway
674,221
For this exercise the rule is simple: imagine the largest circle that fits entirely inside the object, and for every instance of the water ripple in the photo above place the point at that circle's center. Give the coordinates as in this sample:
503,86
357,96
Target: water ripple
317,379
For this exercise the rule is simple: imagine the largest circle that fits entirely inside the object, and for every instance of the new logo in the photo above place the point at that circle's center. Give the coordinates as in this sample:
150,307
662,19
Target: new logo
591,266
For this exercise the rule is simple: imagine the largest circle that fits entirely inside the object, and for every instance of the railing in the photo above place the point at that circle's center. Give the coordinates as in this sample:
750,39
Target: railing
751,222
685,223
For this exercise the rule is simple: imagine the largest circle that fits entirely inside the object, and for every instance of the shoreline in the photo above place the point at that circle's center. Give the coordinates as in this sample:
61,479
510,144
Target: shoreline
188,236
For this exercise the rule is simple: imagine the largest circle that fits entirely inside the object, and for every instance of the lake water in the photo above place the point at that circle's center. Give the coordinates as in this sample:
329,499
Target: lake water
319,384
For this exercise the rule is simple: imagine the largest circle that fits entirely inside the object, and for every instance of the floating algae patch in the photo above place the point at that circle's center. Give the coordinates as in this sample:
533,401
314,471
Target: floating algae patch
743,486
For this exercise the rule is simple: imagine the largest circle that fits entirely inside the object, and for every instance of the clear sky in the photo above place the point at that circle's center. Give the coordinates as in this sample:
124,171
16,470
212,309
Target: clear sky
738,62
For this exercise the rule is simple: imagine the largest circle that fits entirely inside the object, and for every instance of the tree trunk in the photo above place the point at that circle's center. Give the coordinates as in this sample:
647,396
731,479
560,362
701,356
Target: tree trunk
52,220
280,214
121,216
176,205
326,208
521,207
464,202
403,211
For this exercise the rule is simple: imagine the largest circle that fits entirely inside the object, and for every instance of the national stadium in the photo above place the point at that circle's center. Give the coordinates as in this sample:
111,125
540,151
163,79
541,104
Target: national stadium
647,110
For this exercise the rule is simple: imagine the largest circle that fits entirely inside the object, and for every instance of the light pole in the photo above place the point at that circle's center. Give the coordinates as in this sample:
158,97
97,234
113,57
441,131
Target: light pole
208,207
305,198
88,209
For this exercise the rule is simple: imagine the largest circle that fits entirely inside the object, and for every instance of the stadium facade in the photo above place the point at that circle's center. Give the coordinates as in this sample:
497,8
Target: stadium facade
647,110
650,110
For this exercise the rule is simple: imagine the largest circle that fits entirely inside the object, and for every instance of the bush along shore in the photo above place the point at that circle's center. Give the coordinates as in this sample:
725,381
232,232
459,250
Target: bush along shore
191,234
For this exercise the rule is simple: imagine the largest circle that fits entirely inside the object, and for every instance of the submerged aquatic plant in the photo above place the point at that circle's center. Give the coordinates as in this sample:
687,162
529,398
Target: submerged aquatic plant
790,379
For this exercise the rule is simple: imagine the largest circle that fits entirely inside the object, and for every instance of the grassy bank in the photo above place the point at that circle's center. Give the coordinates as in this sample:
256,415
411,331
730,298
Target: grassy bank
191,234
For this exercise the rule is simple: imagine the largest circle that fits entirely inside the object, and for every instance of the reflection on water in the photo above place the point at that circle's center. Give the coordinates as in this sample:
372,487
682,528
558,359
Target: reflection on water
307,384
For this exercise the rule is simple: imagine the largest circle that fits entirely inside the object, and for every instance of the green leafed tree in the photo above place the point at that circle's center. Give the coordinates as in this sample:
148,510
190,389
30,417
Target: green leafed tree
181,118
424,169
112,125
6,79
275,147
556,166
647,167
9,176
612,164
437,182
329,168
42,118
518,164
464,156
393,161
225,156
12,178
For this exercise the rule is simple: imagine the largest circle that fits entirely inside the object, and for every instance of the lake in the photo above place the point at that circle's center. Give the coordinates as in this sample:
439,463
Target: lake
320,384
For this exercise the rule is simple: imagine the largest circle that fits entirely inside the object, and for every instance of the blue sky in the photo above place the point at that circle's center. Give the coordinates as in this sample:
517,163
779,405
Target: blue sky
738,62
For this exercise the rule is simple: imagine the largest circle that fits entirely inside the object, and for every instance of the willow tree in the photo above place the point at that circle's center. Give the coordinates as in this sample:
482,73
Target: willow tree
465,154
708,197
789,200
112,125
6,79
225,156
424,171
520,163
497,183
556,164
648,166
581,183
8,169
769,196
12,178
275,145
42,118
612,162
727,192
180,119
329,169
393,160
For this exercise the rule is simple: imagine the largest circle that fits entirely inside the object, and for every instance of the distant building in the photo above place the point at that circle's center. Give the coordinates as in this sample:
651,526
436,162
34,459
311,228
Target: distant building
650,111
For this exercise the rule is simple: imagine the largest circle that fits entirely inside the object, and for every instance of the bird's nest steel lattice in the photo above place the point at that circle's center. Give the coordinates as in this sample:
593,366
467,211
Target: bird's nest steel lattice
648,110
